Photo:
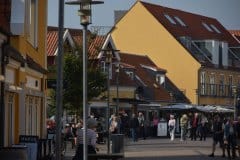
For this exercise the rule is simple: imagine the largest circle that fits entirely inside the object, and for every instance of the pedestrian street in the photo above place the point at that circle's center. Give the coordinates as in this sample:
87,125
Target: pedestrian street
163,149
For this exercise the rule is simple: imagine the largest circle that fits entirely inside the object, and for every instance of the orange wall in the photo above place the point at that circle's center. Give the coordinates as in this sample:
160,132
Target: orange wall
24,47
139,32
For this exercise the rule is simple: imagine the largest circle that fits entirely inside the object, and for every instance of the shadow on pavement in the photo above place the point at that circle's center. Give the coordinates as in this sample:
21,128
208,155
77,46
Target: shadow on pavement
204,157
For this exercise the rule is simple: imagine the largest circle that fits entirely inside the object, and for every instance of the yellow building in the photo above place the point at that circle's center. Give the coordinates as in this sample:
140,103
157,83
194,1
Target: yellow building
24,70
200,55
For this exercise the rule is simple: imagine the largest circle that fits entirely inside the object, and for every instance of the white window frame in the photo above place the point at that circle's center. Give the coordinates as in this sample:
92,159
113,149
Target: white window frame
230,82
31,23
212,84
170,19
207,27
221,83
179,20
103,66
130,74
10,119
203,83
215,28
160,79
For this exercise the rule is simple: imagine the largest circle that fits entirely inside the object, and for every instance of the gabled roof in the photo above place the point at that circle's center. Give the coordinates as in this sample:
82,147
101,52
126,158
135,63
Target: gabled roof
96,46
194,24
52,40
74,36
77,35
123,79
235,34
138,61
109,44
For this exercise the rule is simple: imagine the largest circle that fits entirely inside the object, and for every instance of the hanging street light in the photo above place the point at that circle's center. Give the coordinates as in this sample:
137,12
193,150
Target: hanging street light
85,13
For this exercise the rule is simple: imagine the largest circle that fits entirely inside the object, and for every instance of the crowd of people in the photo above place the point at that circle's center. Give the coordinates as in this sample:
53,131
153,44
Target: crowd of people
193,126
224,131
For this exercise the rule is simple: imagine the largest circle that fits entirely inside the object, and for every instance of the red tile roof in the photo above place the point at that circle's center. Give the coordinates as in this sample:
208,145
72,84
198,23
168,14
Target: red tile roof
77,36
96,46
194,27
123,79
52,41
137,61
236,34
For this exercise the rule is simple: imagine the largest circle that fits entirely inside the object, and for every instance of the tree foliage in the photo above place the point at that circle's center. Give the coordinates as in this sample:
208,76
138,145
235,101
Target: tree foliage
73,83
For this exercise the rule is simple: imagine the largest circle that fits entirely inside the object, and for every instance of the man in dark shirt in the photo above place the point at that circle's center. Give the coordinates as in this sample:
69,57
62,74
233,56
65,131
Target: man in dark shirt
134,124
218,132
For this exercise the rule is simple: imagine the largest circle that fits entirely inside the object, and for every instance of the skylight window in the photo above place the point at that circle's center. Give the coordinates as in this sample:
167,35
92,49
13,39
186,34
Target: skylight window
170,19
180,21
215,28
207,27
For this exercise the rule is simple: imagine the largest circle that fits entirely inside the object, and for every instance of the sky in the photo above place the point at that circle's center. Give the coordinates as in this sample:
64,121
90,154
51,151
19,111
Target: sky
227,12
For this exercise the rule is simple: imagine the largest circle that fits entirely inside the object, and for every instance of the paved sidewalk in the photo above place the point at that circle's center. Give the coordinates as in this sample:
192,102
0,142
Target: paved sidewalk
163,149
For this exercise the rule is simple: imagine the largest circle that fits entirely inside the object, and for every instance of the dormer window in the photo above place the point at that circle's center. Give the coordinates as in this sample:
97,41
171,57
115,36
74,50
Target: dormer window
160,79
103,66
170,19
180,21
130,74
215,28
207,27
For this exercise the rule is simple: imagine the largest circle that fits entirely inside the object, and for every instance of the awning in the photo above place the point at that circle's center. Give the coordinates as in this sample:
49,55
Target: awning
206,109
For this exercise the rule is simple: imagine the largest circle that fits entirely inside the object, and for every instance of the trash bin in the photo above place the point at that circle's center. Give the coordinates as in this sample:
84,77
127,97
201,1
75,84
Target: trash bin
32,144
16,152
117,143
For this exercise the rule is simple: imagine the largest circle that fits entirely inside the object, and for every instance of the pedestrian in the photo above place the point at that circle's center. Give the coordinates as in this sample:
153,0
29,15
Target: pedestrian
134,124
218,132
230,137
237,126
91,139
141,122
194,128
203,128
124,129
113,125
155,124
183,125
171,126
74,132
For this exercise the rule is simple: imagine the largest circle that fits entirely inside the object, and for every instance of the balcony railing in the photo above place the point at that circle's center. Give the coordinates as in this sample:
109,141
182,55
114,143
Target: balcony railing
216,90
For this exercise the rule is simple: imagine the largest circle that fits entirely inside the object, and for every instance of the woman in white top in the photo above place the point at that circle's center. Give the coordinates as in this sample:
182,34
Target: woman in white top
171,126
113,125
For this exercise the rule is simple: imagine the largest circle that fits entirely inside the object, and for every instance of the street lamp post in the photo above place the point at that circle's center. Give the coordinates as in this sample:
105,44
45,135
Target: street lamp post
108,62
117,84
109,59
85,19
59,81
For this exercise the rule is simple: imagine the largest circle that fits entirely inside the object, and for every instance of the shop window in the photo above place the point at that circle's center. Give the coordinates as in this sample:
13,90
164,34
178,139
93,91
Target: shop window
10,119
221,85
203,83
212,85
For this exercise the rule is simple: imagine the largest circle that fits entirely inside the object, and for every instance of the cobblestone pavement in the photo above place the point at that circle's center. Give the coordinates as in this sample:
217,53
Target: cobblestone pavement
162,149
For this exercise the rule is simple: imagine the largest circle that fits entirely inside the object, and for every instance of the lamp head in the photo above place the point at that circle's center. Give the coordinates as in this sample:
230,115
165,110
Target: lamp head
85,11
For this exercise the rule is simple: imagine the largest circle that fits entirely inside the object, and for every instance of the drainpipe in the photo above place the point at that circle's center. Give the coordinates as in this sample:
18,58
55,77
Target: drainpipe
2,92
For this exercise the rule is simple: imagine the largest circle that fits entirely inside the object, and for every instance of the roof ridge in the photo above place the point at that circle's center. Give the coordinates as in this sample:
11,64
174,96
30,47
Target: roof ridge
187,12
